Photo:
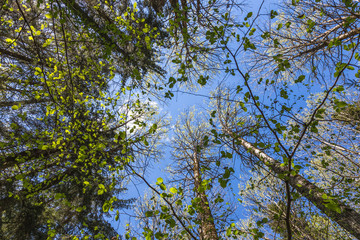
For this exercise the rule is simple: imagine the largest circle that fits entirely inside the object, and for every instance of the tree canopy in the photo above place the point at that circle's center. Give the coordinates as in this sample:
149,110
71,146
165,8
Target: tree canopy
273,154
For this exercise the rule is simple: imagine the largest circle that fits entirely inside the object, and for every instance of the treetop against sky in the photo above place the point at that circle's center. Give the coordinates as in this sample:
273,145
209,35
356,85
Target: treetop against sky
273,153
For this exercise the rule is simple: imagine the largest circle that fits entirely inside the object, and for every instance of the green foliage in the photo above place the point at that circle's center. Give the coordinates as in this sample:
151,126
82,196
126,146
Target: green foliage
299,80
65,135
74,118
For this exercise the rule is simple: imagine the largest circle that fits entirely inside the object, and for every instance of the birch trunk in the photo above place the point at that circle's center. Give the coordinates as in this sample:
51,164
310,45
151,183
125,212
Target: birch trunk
348,218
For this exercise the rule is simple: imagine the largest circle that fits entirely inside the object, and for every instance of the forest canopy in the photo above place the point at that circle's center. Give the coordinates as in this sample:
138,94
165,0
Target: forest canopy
273,153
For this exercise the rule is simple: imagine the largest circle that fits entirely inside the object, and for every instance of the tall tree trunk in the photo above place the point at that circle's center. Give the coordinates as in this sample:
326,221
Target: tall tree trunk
208,229
348,218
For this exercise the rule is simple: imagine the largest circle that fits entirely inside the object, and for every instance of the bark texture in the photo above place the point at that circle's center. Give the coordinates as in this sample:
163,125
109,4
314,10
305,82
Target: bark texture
348,218
207,226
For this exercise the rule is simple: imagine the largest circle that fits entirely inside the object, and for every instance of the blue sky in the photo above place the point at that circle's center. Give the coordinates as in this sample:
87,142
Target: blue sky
184,99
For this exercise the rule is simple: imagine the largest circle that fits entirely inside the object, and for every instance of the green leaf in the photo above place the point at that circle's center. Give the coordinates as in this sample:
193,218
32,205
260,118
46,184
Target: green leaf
228,232
159,181
171,223
106,207
162,186
226,174
248,16
300,79
314,129
341,104
173,190
59,196
149,213
19,176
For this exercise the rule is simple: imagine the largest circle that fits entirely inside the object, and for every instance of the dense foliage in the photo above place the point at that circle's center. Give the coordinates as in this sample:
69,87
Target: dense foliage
65,137
80,82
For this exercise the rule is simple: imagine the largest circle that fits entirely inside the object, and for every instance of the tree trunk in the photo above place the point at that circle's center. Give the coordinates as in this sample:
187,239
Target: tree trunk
348,218
207,227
